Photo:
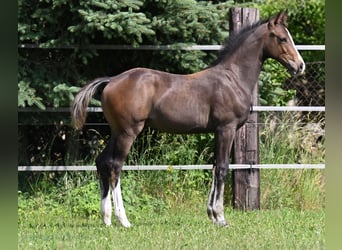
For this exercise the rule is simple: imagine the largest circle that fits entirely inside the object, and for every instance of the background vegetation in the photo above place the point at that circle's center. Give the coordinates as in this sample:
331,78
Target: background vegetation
63,60
49,77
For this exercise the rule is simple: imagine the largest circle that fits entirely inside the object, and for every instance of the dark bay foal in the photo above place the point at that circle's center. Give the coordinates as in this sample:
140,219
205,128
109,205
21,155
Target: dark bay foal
215,100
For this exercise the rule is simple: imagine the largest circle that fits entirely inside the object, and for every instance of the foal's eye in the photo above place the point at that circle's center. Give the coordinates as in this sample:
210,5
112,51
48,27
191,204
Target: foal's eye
282,39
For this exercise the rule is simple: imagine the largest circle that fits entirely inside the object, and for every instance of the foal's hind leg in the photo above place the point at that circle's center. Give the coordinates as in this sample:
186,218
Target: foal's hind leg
104,164
106,205
109,165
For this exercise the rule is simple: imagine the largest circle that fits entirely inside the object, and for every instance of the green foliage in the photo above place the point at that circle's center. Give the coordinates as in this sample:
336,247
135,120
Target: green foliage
27,96
153,148
301,189
52,23
83,200
80,22
62,93
188,21
113,20
135,197
271,83
66,193
306,18
284,139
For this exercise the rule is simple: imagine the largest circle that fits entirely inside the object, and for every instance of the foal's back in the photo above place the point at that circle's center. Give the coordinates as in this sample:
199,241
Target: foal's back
165,101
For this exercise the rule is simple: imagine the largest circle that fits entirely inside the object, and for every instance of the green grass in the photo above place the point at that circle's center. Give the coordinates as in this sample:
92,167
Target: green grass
62,210
66,214
178,228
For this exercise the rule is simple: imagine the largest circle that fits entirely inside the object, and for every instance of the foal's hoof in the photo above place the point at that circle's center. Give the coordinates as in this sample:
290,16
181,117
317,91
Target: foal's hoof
125,223
222,223
107,222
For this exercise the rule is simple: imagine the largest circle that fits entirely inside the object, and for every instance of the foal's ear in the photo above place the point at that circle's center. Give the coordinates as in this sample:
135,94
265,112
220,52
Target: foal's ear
280,18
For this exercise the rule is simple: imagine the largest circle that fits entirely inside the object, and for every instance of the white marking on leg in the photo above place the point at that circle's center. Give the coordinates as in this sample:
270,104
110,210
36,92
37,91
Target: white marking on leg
211,201
106,209
119,209
219,208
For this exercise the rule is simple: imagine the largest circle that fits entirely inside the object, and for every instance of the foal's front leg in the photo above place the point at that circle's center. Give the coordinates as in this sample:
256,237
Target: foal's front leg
224,138
215,208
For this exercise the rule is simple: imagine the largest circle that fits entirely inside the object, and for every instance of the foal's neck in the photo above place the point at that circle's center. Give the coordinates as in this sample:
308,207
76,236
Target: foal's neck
247,60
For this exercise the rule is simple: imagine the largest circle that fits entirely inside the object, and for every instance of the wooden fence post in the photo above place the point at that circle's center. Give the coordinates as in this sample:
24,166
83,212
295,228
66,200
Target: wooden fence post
246,182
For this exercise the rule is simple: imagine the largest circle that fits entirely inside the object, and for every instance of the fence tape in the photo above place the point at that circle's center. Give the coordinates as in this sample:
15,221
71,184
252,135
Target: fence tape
253,108
174,167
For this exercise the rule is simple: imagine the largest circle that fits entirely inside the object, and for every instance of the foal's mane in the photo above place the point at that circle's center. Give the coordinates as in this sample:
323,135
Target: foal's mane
235,40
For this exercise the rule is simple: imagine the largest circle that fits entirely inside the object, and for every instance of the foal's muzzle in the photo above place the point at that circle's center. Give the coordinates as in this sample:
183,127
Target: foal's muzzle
296,68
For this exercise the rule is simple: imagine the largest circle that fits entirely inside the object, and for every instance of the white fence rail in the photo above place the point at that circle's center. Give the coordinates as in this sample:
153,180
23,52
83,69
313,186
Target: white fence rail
150,47
174,167
253,108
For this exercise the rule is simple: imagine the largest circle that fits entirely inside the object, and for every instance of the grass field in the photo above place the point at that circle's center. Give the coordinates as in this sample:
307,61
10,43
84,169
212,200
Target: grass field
66,214
176,228
168,208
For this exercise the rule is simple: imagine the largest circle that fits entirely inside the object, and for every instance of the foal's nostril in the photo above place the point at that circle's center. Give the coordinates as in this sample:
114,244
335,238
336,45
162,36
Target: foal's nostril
301,67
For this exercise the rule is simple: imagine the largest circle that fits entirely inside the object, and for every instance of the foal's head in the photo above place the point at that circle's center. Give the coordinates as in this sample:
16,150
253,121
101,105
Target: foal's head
278,44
